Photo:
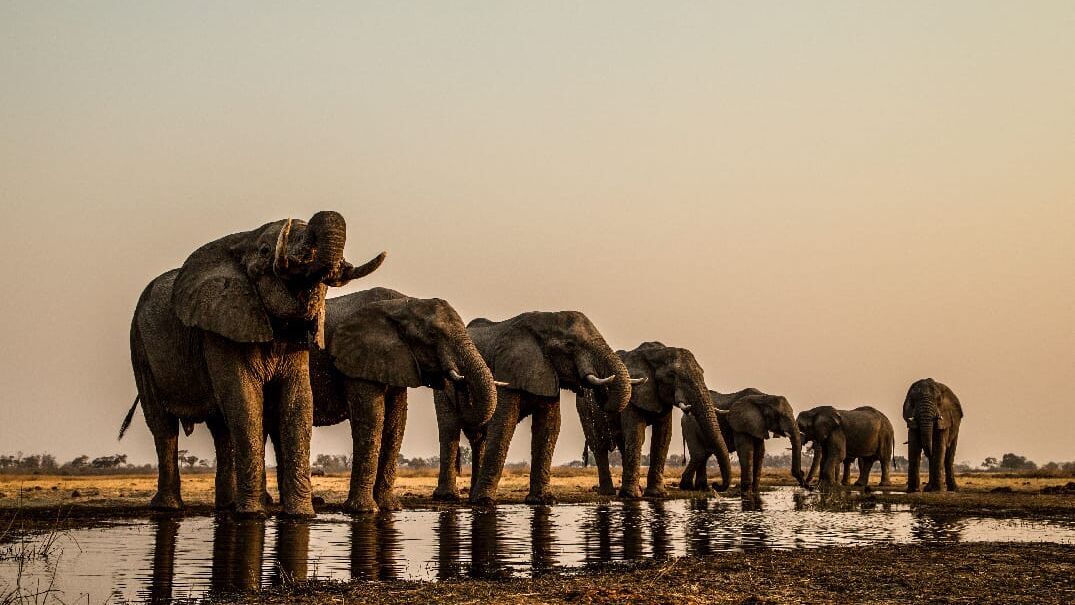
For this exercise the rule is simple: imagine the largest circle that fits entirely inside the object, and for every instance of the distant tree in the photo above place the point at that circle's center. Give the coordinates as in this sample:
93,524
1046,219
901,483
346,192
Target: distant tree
190,460
79,462
1014,462
465,455
332,464
898,462
206,464
990,464
109,462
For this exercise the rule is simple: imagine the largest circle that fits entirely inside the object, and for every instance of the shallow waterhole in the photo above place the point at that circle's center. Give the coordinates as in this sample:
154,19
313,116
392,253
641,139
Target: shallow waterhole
179,558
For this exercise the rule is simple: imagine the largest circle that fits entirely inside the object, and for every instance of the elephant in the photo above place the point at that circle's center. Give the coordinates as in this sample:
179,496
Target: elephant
933,414
224,340
379,343
864,434
746,419
537,354
667,377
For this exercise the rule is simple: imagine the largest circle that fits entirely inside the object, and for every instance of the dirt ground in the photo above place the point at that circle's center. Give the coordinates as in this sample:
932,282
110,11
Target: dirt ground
962,573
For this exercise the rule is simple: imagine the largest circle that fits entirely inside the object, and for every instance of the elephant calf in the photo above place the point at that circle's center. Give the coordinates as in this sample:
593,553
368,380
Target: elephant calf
863,433
746,419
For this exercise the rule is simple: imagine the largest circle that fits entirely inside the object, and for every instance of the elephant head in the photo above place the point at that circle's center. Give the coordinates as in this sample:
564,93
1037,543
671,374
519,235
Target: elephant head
410,342
920,410
672,377
542,352
269,283
761,414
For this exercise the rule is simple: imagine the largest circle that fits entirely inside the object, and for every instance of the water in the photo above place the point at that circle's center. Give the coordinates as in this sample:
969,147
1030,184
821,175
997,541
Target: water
164,559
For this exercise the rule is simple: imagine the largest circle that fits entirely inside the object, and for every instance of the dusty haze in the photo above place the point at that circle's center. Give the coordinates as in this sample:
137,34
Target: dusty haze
821,200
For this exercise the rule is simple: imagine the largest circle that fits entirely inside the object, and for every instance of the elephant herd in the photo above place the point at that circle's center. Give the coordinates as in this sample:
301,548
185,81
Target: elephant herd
243,338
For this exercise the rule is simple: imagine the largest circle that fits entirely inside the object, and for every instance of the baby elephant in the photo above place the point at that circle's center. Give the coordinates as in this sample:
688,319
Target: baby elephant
863,433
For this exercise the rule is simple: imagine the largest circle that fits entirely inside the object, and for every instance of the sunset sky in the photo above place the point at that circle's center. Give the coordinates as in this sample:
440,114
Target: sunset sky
825,200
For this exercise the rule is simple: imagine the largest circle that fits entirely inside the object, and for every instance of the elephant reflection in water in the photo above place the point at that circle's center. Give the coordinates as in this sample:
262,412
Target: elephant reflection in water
237,555
699,529
542,541
449,546
932,529
598,536
163,578
375,541
634,520
292,552
487,558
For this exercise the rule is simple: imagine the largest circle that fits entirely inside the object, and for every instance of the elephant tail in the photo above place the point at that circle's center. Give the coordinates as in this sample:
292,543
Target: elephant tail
130,416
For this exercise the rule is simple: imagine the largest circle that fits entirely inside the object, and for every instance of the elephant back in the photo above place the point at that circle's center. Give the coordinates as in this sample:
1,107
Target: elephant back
339,308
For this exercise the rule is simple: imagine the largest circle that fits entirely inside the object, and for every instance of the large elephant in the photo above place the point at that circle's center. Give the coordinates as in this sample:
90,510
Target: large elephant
746,418
537,354
933,415
864,434
671,377
379,343
223,340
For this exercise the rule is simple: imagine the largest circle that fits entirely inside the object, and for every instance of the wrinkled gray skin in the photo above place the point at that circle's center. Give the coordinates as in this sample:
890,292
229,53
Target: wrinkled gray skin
864,434
457,416
673,378
223,340
537,354
746,418
933,415
379,343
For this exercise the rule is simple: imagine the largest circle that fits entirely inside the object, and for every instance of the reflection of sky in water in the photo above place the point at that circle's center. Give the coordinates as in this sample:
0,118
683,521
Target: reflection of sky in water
192,556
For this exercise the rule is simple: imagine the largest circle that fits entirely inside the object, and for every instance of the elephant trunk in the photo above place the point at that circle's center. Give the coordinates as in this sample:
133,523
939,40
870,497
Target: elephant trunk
796,454
706,414
604,363
326,234
925,415
479,379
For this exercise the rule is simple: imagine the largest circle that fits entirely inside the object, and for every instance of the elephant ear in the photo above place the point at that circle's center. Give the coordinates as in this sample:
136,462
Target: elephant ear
214,293
825,424
745,417
367,345
515,357
643,395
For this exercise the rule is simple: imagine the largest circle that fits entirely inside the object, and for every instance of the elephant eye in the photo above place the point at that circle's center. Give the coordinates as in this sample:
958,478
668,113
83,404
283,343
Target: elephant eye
264,251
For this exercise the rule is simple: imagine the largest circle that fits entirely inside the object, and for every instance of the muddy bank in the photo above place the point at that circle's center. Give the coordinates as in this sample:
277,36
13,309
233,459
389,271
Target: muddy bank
970,573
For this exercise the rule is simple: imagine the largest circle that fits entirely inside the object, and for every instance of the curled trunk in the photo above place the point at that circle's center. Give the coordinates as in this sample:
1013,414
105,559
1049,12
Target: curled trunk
604,363
326,234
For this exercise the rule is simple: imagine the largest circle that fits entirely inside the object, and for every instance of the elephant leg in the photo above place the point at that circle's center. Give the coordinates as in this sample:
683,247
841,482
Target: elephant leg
367,402
701,476
225,464
296,421
658,454
605,487
686,480
501,429
949,467
395,420
165,429
846,479
634,435
914,458
477,456
936,463
830,465
239,394
745,447
759,462
449,431
545,430
815,465
865,468
886,463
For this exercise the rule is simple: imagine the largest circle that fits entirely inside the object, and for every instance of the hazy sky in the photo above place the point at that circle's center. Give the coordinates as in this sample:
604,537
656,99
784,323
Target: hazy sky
826,200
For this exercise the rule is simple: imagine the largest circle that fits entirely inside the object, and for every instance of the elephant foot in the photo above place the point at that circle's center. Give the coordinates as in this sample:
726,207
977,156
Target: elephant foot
360,506
630,492
540,498
485,501
952,487
606,490
163,502
656,491
249,513
445,496
885,483
266,499
866,489
931,487
911,489
389,501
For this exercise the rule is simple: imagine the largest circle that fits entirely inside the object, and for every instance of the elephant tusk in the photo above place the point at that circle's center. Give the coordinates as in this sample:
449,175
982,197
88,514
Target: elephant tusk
599,381
722,412
640,380
686,408
279,260
501,384
456,376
